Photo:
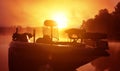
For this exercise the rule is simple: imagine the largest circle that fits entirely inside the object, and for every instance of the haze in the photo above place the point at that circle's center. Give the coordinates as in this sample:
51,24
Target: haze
34,12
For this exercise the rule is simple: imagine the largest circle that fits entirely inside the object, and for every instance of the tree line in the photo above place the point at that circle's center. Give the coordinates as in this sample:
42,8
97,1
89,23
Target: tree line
105,22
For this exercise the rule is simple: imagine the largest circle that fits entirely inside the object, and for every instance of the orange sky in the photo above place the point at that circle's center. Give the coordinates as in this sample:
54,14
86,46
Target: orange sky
34,12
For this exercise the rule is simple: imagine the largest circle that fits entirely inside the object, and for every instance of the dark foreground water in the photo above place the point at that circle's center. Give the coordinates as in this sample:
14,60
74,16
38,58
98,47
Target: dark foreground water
111,63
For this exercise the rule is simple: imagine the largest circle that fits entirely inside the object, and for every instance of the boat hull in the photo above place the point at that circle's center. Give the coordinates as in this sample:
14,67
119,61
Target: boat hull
50,57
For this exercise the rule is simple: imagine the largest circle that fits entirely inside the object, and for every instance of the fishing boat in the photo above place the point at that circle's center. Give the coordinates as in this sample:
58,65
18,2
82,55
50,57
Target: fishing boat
46,55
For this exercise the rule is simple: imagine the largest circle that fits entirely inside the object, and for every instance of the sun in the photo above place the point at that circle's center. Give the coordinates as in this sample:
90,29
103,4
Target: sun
61,20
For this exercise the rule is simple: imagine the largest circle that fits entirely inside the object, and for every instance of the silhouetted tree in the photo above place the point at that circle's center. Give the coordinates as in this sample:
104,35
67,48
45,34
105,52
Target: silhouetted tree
117,9
105,22
99,23
115,28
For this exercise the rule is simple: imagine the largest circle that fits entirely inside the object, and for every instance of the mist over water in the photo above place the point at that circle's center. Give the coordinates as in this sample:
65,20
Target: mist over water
110,63
4,45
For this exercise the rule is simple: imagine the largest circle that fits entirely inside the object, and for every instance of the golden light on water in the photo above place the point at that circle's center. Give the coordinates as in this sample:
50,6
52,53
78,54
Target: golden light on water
61,19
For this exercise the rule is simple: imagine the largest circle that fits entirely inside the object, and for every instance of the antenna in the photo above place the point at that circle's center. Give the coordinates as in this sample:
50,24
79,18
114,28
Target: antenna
34,33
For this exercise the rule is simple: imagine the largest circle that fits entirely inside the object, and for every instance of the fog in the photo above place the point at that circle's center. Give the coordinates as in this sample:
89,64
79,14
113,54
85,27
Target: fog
4,45
110,63
34,12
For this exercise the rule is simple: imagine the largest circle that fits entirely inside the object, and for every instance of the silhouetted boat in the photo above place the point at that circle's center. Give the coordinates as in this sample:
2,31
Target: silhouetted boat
54,56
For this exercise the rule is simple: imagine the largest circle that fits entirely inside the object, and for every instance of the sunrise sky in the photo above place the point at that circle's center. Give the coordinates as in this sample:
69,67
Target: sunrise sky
34,12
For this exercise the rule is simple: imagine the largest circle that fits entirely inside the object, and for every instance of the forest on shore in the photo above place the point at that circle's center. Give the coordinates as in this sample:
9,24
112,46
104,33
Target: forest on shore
105,22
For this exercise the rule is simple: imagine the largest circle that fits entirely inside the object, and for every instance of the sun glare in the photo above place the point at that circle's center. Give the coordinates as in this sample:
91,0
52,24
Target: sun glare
61,20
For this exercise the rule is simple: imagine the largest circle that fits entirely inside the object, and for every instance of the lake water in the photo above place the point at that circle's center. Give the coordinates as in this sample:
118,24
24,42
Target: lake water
101,64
